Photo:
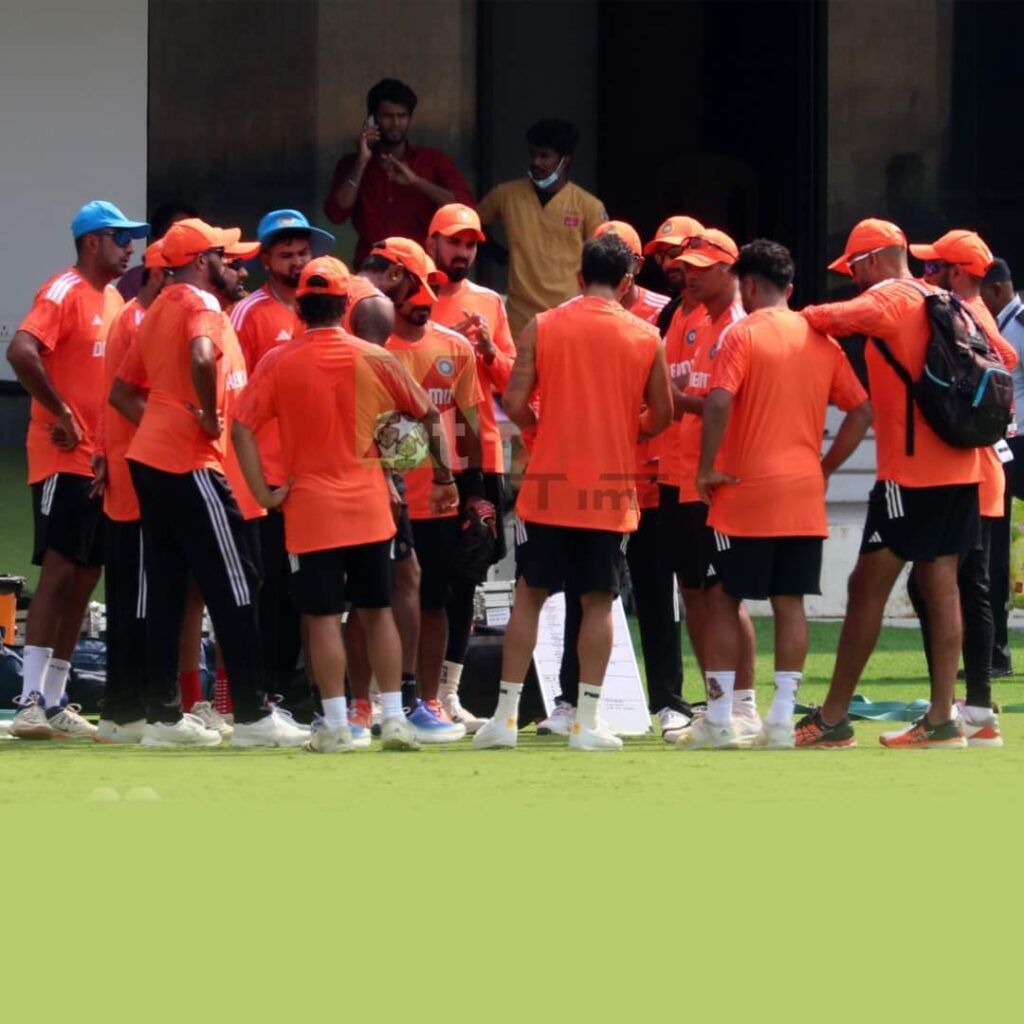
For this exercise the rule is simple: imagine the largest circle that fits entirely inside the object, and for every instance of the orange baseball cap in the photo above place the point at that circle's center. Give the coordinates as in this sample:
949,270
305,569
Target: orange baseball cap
325,275
625,231
154,255
242,250
454,219
706,249
962,247
411,256
674,231
869,235
188,238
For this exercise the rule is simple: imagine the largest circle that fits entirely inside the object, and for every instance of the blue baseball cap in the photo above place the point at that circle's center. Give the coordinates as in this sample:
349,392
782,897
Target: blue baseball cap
279,221
99,214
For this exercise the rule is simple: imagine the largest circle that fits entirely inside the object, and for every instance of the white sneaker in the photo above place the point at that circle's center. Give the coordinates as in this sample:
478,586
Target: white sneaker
398,733
559,722
189,731
672,722
325,740
68,724
776,736
278,729
497,734
5,729
582,737
705,735
283,712
212,719
31,723
449,697
748,723
109,731
981,726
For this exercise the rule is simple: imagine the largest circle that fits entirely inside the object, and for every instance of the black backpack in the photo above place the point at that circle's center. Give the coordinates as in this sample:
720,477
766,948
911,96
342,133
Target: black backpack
964,392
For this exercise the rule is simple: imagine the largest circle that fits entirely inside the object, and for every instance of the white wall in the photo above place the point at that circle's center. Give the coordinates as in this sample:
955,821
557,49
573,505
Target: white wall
73,98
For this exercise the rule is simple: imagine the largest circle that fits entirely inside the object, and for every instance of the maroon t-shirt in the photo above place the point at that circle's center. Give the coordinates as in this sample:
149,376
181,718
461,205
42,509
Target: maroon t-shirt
384,208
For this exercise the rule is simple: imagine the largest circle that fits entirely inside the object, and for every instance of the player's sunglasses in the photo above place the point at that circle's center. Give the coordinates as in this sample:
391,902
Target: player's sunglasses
697,242
864,255
121,237
935,266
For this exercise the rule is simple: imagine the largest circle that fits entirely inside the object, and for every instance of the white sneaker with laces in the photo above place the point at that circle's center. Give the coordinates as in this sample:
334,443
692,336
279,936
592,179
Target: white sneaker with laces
449,697
559,722
31,723
497,734
189,731
981,726
776,736
212,719
748,722
600,737
278,729
68,724
705,735
398,733
109,731
283,712
672,722
325,740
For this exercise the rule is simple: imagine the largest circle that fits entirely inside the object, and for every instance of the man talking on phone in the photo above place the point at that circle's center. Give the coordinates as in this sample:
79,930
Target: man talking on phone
389,187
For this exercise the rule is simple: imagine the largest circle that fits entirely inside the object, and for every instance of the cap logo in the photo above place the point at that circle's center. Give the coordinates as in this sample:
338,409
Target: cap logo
666,228
288,221
463,215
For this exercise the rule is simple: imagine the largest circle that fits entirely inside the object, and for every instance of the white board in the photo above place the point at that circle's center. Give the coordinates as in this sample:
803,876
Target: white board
623,704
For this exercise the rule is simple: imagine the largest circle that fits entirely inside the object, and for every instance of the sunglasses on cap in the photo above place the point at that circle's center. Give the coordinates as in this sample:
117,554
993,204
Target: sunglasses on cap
121,237
864,255
697,242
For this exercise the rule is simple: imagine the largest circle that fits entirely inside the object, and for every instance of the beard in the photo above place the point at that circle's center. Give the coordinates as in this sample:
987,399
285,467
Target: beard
287,280
456,274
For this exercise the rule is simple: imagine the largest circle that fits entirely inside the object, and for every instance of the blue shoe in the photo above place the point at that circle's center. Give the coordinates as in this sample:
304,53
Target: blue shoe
432,725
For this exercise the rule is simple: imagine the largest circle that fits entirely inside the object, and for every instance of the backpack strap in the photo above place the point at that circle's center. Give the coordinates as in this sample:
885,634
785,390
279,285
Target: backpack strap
908,385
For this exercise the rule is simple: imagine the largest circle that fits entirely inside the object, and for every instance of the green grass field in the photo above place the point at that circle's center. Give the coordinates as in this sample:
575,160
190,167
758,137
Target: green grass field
469,886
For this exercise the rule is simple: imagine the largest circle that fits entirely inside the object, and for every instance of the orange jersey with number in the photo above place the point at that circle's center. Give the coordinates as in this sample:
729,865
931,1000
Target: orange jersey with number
444,364
493,378
70,319
593,360
782,375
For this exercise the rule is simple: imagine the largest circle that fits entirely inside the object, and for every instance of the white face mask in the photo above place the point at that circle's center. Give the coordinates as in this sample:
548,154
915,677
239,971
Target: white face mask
544,183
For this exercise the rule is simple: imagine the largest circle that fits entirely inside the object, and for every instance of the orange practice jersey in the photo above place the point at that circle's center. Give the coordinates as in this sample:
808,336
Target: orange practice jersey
262,323
710,339
329,388
782,374
70,319
443,363
119,499
593,361
450,310
894,311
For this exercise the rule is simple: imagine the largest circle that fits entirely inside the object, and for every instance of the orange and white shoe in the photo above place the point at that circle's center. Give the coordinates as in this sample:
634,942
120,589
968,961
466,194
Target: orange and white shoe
981,726
360,723
922,735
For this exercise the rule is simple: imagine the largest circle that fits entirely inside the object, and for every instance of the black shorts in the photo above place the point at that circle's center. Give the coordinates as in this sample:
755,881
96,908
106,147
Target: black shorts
494,492
761,567
435,549
570,558
67,520
324,581
687,538
920,524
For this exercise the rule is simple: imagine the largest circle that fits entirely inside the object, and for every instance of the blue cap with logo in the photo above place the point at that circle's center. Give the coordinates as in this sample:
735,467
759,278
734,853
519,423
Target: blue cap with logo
99,214
279,222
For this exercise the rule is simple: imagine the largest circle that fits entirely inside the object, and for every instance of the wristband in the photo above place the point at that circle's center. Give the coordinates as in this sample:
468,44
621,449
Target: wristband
444,483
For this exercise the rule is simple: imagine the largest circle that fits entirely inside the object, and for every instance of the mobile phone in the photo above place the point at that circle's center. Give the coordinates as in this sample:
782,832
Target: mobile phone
371,122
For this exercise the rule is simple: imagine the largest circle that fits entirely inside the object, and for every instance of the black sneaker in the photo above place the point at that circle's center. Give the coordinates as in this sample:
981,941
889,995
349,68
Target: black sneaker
813,731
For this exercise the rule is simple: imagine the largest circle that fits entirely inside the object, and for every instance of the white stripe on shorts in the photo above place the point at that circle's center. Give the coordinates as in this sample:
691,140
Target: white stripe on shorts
225,540
49,489
141,601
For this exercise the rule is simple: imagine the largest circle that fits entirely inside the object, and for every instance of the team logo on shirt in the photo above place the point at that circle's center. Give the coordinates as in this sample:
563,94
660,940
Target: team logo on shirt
235,380
571,220
445,366
691,335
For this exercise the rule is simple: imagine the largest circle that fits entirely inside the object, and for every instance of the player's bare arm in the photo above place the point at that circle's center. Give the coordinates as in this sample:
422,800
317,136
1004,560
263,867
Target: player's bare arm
128,400
204,380
248,453
850,434
523,380
658,399
717,410
24,355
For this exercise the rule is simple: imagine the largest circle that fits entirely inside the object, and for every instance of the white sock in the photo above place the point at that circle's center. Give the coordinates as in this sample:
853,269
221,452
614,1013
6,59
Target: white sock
719,687
784,701
744,701
508,701
391,705
451,676
335,712
55,682
586,709
35,661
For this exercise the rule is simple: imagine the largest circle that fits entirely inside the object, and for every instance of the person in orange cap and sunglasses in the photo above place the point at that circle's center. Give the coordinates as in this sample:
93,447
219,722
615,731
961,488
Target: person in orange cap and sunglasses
923,508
